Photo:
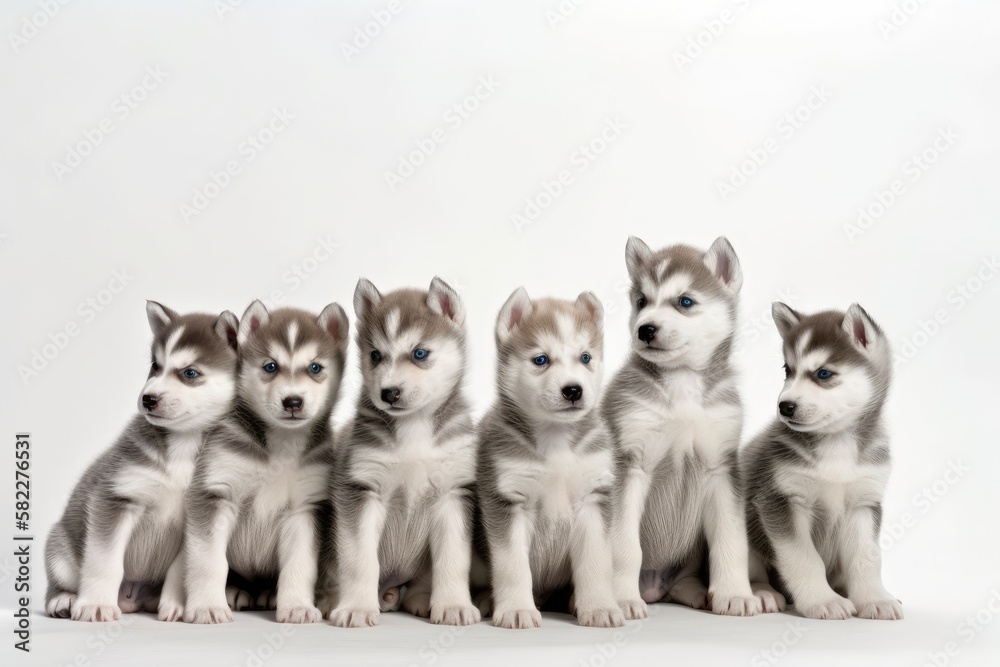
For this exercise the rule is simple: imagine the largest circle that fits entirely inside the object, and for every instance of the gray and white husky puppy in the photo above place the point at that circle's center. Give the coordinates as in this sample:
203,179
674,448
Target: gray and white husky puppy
403,492
675,416
545,470
117,543
260,487
816,477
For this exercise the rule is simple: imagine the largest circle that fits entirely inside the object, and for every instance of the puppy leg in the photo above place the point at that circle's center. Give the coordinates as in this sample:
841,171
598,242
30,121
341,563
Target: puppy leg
729,589
62,572
513,601
590,557
358,536
625,543
416,597
104,564
770,598
861,560
451,560
207,567
171,604
803,570
297,557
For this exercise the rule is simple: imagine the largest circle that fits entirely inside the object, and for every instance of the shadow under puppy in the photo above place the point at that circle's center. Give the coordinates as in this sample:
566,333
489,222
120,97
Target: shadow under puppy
118,541
403,491
545,469
815,478
261,483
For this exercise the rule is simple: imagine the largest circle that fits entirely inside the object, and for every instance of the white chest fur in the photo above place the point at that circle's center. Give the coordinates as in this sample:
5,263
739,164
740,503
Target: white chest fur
678,423
562,482
836,479
286,481
160,489
415,463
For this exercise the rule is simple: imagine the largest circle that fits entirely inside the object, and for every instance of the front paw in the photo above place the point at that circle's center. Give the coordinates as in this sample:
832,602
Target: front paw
836,608
344,617
455,615
61,605
771,601
634,609
880,610
735,605
304,614
600,617
101,613
169,611
518,619
208,615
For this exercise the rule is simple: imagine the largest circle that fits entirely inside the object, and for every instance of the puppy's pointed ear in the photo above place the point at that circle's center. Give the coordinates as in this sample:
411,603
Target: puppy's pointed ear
517,308
637,256
722,261
227,327
366,295
254,317
864,334
444,300
333,320
785,317
159,317
589,303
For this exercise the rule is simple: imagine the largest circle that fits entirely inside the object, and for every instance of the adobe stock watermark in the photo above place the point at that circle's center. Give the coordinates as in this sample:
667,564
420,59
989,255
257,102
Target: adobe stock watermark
551,189
32,24
712,29
453,118
563,12
900,15
86,312
780,647
299,272
923,502
606,652
431,650
248,151
224,7
912,170
367,32
758,324
968,630
121,108
785,128
957,298
273,642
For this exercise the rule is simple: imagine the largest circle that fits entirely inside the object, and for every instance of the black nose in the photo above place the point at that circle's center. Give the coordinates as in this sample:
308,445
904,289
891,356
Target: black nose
292,403
149,401
572,392
786,408
391,395
647,332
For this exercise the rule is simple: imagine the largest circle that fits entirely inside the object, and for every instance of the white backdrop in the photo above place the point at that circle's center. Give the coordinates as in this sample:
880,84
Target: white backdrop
204,154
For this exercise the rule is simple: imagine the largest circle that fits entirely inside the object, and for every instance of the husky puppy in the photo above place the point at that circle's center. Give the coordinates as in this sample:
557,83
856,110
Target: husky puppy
403,490
545,469
117,543
675,417
815,478
260,485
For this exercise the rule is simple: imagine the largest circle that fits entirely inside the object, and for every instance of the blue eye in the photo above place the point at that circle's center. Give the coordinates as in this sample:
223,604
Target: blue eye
420,354
685,301
315,368
585,358
270,367
824,374
376,357
541,360
191,373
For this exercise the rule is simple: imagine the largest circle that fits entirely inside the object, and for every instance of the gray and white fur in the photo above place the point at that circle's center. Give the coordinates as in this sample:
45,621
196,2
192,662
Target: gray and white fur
404,492
545,470
675,417
815,478
116,548
259,491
